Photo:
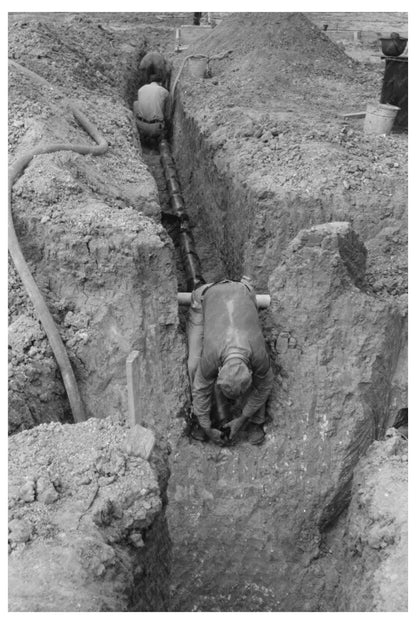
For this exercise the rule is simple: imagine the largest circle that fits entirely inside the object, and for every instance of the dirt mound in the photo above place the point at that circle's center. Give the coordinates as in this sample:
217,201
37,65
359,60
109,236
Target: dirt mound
80,504
272,117
36,391
290,37
278,53
76,215
77,44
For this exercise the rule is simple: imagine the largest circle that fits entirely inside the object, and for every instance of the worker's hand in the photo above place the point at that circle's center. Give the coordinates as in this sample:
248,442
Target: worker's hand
214,435
233,427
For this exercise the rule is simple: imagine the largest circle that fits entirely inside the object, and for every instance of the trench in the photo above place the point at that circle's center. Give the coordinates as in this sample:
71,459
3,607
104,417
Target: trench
198,260
219,245
221,237
150,592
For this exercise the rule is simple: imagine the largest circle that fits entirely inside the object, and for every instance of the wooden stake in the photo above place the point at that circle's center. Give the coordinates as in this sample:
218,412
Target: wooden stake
133,388
359,115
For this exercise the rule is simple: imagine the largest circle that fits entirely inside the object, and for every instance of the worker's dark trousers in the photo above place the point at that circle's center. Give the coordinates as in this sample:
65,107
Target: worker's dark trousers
151,131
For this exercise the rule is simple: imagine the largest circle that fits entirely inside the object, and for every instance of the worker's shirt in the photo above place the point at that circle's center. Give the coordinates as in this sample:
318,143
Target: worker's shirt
231,327
153,102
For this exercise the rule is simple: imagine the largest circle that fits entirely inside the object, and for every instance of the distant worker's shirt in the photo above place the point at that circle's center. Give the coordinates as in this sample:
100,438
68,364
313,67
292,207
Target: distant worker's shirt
153,102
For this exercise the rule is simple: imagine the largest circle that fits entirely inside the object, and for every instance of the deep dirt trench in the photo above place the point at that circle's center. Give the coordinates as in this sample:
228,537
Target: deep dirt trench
307,522
219,241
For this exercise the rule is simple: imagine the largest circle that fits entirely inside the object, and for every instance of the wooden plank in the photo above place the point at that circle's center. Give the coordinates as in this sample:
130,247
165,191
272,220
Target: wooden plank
133,388
140,442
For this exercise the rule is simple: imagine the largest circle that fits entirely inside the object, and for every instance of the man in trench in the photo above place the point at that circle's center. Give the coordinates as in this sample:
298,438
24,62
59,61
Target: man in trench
228,359
155,63
152,109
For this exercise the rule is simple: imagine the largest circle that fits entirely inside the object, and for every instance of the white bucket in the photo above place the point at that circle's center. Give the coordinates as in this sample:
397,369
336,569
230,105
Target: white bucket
379,118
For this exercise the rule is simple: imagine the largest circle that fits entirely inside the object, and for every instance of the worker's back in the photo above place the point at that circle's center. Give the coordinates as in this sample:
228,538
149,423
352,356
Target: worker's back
234,362
155,63
152,102
231,321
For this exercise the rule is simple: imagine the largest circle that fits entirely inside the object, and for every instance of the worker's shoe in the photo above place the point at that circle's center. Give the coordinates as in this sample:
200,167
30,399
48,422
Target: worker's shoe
197,433
255,433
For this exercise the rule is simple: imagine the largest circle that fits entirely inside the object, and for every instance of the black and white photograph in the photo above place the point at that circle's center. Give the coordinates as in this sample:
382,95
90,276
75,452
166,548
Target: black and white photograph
207,281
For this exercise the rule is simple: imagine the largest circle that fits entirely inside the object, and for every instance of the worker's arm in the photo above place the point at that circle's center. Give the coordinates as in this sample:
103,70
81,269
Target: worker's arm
195,332
261,387
202,389
201,397
168,73
167,114
167,108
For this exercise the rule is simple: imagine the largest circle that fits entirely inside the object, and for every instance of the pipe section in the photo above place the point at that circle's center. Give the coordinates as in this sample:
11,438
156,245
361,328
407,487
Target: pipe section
190,258
187,245
262,301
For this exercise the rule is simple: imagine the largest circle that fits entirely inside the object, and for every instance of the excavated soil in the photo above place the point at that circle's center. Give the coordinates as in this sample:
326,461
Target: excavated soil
80,502
264,132
280,106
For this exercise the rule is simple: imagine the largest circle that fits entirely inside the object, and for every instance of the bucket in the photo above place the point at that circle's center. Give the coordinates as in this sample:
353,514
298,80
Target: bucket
198,67
379,118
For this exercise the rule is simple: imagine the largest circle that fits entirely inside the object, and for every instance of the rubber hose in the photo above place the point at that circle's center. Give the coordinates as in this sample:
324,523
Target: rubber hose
217,57
46,319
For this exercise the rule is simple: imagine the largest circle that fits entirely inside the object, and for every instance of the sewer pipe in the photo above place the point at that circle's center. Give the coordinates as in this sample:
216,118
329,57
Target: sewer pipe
262,301
190,257
190,260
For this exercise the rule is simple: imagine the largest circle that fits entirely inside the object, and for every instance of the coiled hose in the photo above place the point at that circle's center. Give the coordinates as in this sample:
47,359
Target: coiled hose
45,317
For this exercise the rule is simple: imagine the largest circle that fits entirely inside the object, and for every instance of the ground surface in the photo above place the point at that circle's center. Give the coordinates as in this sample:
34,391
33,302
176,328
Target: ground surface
297,140
294,135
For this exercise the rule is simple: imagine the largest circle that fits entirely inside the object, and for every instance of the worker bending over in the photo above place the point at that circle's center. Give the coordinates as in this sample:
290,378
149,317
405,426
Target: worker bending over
152,109
228,357
154,63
